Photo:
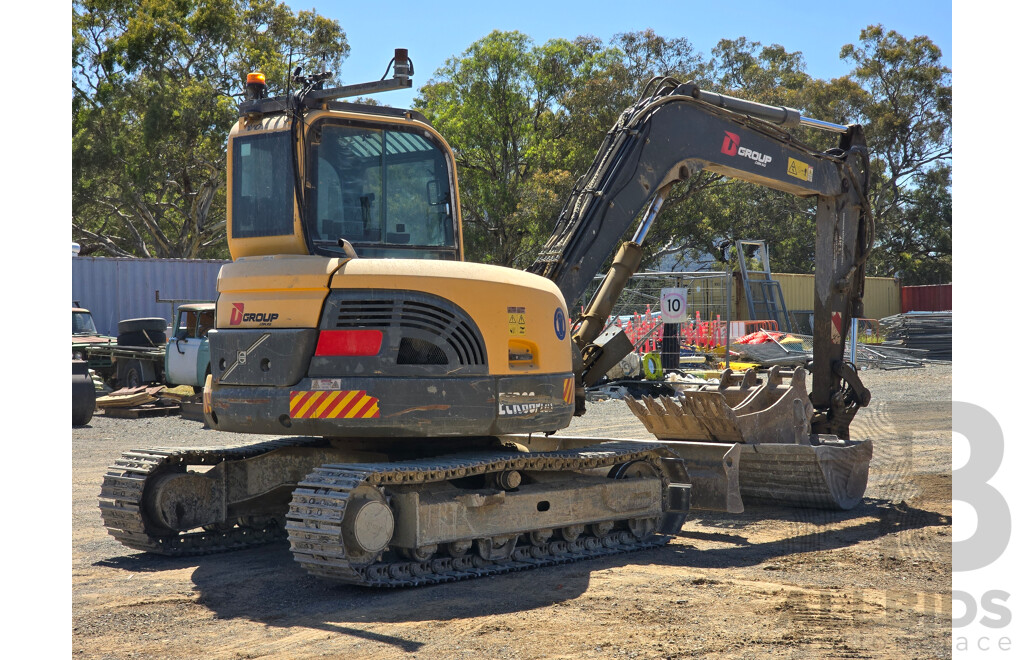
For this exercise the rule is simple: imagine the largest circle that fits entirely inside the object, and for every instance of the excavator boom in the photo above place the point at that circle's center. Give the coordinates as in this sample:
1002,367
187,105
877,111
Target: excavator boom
670,136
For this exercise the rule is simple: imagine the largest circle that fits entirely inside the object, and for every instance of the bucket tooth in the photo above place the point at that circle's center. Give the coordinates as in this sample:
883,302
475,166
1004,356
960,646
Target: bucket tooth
665,418
735,394
683,424
714,414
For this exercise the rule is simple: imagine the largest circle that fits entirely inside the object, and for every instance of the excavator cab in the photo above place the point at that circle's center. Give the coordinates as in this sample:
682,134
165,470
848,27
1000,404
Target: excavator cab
380,180
387,191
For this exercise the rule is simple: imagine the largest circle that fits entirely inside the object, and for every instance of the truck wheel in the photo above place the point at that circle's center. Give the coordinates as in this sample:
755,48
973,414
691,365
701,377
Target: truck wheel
133,375
198,389
209,416
83,394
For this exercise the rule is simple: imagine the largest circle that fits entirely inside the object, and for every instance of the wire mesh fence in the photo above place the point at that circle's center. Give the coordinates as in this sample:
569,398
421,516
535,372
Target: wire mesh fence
706,294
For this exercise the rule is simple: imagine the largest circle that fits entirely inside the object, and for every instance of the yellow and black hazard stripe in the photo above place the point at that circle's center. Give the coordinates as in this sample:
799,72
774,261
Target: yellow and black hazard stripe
337,404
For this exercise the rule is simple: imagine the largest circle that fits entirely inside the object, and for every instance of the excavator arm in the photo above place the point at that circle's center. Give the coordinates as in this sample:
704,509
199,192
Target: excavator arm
671,135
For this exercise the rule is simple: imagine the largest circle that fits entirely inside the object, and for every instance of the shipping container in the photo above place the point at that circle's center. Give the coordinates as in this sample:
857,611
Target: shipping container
114,289
927,298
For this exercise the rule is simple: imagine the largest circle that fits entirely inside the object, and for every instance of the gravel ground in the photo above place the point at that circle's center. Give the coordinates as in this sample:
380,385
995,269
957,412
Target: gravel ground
872,582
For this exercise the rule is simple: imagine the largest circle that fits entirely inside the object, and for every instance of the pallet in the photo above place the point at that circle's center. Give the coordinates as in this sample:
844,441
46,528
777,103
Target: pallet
192,410
141,411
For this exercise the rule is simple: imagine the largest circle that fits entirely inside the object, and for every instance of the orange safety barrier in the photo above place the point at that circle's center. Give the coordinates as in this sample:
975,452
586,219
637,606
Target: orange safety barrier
646,331
753,326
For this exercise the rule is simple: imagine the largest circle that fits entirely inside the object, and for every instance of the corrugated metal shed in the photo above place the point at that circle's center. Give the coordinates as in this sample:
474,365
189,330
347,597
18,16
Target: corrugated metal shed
116,289
927,298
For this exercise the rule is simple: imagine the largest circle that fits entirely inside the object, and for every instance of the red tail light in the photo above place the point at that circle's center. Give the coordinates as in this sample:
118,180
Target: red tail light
349,342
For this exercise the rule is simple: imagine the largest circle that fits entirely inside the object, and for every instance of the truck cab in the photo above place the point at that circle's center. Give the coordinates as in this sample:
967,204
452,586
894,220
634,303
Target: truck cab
84,336
187,357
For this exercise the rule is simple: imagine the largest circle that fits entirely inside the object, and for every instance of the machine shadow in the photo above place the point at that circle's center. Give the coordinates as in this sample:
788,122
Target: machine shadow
274,590
265,585
883,518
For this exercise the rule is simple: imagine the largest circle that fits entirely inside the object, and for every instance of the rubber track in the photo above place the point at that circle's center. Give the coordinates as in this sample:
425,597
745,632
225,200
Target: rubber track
124,487
319,502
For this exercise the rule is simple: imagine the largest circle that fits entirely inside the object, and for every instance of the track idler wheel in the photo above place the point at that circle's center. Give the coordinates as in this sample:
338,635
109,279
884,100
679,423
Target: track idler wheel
368,526
642,528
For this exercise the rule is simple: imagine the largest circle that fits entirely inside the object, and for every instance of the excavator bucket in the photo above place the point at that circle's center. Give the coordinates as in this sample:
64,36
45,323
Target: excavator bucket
832,474
753,443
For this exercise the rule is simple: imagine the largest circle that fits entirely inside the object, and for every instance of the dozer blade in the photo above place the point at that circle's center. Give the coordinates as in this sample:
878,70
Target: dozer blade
779,461
714,472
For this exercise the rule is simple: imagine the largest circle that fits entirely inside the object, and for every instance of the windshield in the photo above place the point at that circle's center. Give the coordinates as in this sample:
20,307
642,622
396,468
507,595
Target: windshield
82,324
388,192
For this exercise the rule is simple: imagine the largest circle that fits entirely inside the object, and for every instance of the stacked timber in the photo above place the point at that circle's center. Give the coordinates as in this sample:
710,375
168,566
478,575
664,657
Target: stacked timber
929,332
135,402
129,397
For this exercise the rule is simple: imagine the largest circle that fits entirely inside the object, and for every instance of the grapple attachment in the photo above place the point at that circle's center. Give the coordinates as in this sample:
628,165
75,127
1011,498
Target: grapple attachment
751,442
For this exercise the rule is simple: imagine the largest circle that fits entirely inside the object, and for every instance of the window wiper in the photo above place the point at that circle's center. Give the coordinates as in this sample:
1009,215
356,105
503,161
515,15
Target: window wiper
340,243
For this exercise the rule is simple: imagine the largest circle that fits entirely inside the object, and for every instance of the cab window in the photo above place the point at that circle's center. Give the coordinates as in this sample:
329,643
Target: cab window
388,192
263,186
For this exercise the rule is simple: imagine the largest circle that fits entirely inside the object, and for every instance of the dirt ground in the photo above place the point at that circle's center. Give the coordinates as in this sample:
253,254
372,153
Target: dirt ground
873,582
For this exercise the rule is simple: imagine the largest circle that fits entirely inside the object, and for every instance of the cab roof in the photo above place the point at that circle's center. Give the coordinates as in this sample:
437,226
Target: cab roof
198,307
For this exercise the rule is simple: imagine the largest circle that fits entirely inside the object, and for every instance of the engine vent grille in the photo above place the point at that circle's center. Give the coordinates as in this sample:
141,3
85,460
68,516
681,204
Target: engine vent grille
427,325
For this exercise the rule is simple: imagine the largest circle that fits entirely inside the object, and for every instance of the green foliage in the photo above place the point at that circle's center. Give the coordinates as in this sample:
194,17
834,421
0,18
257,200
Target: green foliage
154,87
497,107
525,121
917,240
907,110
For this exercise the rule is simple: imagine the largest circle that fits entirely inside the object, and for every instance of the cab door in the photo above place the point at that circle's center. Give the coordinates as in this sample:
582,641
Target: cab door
183,350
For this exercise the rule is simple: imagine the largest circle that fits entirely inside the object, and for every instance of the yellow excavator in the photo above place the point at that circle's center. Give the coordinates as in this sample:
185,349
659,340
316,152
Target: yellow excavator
415,400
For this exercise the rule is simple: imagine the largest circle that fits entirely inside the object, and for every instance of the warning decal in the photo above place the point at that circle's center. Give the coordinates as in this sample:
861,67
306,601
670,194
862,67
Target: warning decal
800,170
568,391
837,327
516,321
339,404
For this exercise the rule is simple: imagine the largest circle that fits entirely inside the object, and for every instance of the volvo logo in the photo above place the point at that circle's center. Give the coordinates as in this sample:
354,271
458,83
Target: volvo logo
242,356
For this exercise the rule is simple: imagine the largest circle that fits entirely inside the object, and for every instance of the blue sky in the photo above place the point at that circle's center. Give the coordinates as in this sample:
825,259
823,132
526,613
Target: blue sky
433,32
